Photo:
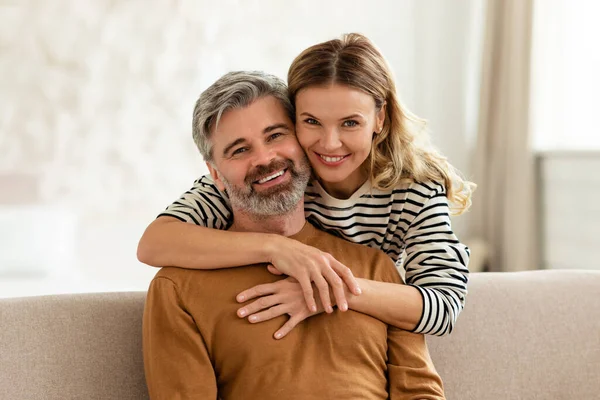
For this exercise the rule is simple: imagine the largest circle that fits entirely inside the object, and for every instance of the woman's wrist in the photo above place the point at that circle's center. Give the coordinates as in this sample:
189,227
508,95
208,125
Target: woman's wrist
271,244
353,299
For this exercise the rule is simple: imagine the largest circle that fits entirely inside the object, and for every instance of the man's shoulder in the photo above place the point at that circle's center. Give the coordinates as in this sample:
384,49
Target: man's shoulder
364,260
179,276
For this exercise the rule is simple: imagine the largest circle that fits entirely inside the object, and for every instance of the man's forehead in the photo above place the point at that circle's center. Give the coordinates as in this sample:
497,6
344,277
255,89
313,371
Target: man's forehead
252,119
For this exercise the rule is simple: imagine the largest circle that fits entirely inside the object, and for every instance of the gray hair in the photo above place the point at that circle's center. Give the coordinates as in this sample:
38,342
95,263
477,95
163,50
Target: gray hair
236,89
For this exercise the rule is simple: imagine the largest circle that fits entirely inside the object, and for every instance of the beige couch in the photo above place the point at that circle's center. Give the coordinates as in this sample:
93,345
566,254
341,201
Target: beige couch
528,335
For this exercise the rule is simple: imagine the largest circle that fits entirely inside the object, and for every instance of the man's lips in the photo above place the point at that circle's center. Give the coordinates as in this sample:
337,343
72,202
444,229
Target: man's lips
271,176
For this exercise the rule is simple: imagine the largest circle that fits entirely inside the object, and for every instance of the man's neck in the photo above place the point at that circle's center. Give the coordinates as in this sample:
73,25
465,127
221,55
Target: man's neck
286,225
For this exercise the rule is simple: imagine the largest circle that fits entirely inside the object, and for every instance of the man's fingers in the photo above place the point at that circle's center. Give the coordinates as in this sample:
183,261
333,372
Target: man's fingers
348,277
266,315
258,305
307,291
287,327
323,288
257,291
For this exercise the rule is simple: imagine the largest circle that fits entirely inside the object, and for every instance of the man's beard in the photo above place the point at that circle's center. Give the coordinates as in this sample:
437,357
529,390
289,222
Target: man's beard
275,201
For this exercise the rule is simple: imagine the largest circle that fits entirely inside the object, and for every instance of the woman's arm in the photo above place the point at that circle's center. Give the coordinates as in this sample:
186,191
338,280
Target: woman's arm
192,233
395,304
169,242
436,264
392,302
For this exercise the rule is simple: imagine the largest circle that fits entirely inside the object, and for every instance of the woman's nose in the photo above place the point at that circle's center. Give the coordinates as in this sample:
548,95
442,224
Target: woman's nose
331,140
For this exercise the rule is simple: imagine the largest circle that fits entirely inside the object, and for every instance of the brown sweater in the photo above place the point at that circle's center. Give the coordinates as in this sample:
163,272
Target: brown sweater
195,346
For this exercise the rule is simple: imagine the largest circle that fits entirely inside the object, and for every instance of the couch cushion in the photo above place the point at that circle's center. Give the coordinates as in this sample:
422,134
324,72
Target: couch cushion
84,346
524,335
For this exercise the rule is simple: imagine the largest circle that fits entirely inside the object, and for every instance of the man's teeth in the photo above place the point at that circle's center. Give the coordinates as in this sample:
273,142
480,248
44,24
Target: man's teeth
331,159
268,178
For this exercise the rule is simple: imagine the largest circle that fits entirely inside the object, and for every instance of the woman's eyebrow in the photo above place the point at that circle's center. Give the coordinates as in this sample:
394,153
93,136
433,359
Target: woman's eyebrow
351,116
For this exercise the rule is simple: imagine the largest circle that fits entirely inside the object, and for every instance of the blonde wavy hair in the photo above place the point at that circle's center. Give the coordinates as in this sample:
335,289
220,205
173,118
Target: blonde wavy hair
402,151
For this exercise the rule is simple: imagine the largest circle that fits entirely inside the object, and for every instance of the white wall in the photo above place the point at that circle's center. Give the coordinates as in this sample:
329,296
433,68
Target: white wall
96,100
569,209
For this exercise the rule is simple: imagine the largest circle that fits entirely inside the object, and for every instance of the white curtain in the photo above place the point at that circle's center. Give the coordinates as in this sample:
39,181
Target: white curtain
503,211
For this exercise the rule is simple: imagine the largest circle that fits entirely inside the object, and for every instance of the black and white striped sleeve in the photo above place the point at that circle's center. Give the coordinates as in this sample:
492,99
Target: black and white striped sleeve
436,264
204,204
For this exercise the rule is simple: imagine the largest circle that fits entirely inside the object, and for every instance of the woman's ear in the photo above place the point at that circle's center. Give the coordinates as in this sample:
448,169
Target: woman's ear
380,118
216,176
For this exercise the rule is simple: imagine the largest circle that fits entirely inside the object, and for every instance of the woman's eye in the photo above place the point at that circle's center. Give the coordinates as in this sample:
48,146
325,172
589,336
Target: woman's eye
311,121
350,123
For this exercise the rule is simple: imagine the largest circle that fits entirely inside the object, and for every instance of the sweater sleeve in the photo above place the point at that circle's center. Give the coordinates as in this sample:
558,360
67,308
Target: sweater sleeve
204,204
411,374
176,360
436,264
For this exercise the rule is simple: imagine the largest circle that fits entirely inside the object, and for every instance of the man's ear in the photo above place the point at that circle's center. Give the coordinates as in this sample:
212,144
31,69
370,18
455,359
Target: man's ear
216,176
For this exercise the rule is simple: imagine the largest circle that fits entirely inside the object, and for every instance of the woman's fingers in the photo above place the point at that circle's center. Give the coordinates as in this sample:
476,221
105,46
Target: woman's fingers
257,291
323,288
272,269
337,286
258,305
307,292
266,315
289,325
347,276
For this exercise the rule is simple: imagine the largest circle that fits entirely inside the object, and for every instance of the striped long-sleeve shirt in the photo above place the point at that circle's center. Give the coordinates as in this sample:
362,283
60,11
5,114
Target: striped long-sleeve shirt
410,223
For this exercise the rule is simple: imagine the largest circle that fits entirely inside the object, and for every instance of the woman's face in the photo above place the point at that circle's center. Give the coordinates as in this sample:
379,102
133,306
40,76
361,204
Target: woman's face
335,126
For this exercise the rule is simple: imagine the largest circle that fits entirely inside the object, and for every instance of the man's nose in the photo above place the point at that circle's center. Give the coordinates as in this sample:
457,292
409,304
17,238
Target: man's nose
331,139
263,155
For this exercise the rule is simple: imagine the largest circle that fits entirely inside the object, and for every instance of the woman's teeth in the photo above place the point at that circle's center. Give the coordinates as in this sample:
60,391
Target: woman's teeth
331,159
270,177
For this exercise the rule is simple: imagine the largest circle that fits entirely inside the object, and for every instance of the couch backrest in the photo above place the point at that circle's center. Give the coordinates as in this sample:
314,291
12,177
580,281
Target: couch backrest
529,335
525,335
83,346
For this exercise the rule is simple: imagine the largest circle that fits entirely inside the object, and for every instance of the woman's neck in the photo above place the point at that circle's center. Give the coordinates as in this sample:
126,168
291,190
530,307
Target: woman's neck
345,189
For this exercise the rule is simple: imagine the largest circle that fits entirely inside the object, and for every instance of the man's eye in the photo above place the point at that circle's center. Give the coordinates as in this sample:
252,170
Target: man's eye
275,136
239,150
311,121
350,123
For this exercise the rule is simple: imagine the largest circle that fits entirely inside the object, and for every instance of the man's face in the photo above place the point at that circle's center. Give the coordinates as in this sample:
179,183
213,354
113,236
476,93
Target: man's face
258,160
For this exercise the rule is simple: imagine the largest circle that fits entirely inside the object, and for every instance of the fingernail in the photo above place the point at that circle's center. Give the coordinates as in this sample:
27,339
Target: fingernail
358,290
242,313
344,307
330,309
313,308
241,298
252,318
278,336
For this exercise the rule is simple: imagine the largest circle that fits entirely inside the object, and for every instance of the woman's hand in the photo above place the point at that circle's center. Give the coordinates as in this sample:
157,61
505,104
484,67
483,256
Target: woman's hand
274,299
310,265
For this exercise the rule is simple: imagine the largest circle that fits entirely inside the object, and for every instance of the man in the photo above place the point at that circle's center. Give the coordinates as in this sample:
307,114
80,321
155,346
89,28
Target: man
195,346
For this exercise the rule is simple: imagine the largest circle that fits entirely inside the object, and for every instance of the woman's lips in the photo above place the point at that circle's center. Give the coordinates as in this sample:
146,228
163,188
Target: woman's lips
332,160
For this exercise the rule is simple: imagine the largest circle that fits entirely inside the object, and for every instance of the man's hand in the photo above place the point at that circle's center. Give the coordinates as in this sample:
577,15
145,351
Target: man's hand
274,299
309,265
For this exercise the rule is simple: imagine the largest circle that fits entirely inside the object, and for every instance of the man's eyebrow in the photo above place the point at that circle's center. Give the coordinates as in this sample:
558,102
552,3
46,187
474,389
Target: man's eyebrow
231,145
273,127
268,129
